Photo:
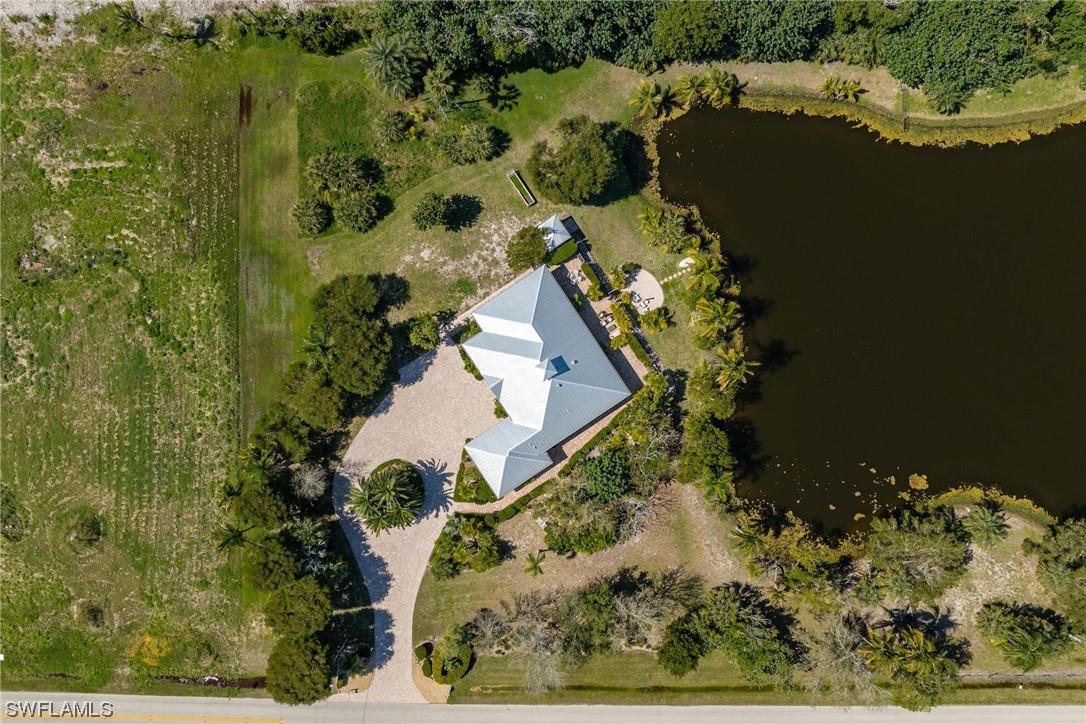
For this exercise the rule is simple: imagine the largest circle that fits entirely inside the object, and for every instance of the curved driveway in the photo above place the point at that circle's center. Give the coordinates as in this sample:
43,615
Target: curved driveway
424,420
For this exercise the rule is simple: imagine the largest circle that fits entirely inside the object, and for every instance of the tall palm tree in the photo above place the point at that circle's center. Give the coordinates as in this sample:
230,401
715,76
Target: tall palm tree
714,317
734,367
689,89
651,99
704,274
535,563
394,64
720,88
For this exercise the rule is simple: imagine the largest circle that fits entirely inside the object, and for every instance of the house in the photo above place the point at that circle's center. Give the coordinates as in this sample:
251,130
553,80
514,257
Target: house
547,370
557,231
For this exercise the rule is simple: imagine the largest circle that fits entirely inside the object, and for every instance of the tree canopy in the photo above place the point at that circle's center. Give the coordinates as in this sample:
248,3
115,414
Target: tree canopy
580,168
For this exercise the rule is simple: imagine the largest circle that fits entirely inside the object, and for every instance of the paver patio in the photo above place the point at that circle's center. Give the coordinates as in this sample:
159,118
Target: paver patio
424,420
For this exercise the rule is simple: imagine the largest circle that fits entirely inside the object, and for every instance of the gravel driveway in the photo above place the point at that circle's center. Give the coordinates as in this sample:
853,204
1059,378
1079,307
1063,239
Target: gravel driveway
425,420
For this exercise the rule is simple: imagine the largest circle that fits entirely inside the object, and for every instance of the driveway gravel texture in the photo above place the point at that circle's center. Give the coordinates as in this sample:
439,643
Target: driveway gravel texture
425,420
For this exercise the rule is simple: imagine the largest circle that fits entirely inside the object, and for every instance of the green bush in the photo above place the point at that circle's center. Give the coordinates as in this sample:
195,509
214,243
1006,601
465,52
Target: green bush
312,215
608,475
85,528
469,366
391,126
299,609
640,352
425,332
452,656
423,650
270,566
298,671
562,253
1026,635
428,668
591,276
466,541
432,210
499,411
358,211
470,486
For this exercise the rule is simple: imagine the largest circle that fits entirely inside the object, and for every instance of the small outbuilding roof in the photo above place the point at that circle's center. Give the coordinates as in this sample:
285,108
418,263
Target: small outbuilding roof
548,371
555,232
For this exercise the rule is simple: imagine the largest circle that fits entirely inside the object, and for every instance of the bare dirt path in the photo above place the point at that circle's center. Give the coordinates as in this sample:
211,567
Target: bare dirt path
425,420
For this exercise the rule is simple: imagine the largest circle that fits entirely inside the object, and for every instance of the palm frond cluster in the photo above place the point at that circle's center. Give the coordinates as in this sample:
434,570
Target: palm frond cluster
391,497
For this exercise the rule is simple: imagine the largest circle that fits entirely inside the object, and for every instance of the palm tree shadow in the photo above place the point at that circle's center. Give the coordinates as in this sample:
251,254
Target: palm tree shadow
775,354
437,479
374,570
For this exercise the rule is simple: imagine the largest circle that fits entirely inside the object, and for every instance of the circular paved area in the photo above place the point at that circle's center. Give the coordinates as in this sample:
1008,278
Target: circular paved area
425,420
647,288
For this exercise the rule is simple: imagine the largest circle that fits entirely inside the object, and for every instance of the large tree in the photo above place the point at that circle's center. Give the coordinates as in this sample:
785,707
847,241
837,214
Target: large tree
1061,566
580,168
916,556
394,64
690,30
299,609
918,656
1026,635
298,671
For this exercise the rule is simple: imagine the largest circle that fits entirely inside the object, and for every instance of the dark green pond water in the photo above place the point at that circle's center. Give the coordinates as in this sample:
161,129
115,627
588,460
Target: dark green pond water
924,309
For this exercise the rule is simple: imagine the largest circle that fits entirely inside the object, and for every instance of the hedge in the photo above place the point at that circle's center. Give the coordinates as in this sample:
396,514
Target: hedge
640,352
423,650
590,274
562,253
469,365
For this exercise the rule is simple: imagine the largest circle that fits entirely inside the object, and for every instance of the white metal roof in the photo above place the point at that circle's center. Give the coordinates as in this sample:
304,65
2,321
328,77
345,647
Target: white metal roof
555,232
548,371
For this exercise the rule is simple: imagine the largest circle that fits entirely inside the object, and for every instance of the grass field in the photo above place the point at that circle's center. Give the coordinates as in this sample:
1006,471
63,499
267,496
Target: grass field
122,398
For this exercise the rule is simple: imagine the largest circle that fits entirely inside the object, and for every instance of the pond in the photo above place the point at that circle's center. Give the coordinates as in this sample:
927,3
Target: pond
922,311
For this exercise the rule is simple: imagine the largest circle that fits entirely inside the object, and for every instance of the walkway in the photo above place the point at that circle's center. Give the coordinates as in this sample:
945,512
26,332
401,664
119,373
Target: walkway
425,420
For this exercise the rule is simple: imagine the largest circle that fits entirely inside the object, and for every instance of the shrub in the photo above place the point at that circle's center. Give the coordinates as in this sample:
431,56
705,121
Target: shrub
526,249
470,486
323,31
312,215
258,505
12,525
390,497
281,428
299,609
452,657
298,671
562,253
1061,566
608,475
270,565
425,332
469,366
591,276
466,541
471,143
335,174
640,352
391,126
428,668
317,398
433,209
499,411
86,528
580,168
309,481
594,293
918,556
423,651
357,211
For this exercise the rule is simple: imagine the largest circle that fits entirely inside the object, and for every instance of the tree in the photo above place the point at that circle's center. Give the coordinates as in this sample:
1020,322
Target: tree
526,249
917,556
270,565
666,231
433,209
607,475
705,275
471,143
1026,635
299,609
719,88
453,656
714,317
233,537
690,31
425,332
986,524
1061,567
734,368
318,399
580,168
258,505
394,64
298,671
321,30
390,497
309,481
312,215
690,89
920,661
838,668
836,89
656,320
439,87
651,99
535,561
777,31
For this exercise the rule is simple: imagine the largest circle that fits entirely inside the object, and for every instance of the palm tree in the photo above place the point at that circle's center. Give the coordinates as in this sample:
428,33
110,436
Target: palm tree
829,87
232,537
704,275
391,497
987,524
535,563
720,88
650,219
689,89
651,99
439,87
394,64
849,90
714,317
735,368
747,542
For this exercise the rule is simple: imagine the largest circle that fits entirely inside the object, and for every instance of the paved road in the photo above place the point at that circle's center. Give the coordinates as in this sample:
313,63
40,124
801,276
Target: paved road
262,711
424,420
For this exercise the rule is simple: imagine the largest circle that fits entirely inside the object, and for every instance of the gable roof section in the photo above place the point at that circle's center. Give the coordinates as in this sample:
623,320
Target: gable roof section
548,371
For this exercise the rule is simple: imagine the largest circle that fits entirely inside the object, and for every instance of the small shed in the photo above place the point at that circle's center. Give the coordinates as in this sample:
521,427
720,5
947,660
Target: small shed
557,231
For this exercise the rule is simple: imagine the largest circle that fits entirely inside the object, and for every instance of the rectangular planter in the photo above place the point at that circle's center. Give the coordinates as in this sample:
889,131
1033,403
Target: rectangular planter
521,187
